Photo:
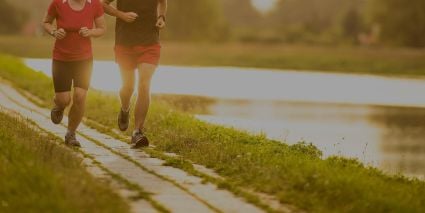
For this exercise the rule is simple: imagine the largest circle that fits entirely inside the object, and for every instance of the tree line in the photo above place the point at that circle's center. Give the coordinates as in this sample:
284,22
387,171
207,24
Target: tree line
12,19
394,22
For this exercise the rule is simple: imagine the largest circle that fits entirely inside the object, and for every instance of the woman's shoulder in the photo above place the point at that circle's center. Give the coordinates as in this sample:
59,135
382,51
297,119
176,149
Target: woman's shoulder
59,2
94,1
65,1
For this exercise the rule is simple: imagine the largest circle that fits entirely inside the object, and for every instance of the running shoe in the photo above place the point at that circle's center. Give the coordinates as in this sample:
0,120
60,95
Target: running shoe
71,140
123,120
56,115
139,140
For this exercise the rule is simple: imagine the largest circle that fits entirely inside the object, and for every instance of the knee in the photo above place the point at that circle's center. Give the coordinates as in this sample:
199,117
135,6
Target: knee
62,101
127,89
144,84
79,99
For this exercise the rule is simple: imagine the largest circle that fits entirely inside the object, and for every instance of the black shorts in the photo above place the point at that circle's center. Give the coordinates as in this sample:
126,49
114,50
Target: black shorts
68,73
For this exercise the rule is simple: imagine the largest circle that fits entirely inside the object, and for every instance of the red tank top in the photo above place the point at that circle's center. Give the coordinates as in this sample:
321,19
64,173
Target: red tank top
74,47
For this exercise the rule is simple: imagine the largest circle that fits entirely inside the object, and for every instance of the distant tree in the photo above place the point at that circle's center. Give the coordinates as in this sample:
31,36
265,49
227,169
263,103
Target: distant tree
12,19
312,15
352,24
246,23
195,20
35,8
240,13
402,22
314,20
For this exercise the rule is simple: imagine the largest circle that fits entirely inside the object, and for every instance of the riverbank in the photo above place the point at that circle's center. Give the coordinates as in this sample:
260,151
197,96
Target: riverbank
295,174
341,59
39,175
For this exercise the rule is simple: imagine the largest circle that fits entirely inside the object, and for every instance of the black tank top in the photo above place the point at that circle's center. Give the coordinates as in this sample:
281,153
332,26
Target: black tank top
143,30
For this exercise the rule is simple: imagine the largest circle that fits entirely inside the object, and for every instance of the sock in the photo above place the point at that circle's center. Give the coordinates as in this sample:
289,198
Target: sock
136,131
69,133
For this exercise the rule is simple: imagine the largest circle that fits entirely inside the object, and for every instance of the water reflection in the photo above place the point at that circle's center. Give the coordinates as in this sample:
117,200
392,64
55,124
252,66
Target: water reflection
391,138
335,129
402,139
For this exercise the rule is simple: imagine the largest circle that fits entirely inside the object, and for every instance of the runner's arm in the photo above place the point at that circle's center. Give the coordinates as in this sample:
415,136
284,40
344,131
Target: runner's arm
109,9
112,11
162,12
100,27
162,8
49,28
48,24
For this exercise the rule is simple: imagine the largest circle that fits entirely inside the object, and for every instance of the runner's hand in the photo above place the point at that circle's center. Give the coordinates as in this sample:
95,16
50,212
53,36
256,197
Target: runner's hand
85,32
60,34
128,16
160,23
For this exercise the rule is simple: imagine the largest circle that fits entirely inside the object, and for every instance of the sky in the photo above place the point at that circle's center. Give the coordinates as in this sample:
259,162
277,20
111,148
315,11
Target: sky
263,5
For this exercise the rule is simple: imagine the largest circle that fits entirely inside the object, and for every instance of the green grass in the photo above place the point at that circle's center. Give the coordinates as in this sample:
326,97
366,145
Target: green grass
295,174
345,59
38,175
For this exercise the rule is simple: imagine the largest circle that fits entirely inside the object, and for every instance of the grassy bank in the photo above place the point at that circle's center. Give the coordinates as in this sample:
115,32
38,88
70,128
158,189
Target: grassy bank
295,174
37,175
362,60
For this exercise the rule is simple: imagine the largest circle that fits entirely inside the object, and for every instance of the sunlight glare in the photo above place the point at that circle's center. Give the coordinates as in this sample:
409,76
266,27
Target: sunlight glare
264,5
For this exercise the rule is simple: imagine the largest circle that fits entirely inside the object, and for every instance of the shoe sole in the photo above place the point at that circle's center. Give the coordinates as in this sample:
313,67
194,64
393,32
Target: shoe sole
55,121
122,127
73,145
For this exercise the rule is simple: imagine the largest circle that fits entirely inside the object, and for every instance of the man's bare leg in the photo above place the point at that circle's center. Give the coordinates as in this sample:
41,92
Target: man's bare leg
126,92
127,88
146,72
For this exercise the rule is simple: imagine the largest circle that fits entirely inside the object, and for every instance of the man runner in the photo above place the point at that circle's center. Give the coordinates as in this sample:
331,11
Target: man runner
137,47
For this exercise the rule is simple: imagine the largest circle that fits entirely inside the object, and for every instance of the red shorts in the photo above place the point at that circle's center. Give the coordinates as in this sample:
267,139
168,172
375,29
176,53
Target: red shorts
128,57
